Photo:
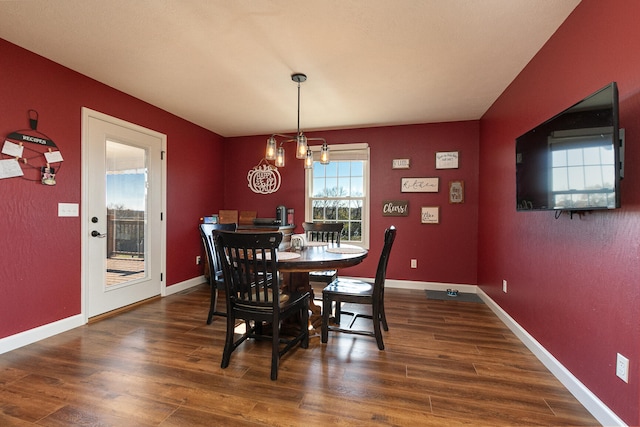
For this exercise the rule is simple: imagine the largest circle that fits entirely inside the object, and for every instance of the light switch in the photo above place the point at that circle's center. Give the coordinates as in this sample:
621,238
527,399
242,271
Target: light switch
68,209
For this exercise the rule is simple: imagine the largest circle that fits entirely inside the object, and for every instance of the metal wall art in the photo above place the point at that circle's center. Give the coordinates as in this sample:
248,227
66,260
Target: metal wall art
30,154
264,178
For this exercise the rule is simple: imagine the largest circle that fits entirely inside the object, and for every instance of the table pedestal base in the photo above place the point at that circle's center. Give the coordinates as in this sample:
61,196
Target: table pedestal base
298,281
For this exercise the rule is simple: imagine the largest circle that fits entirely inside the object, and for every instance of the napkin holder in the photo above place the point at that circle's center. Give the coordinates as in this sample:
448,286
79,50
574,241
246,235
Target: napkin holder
298,241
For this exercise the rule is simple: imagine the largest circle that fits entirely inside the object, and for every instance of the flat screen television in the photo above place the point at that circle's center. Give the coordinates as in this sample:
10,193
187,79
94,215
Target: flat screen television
572,162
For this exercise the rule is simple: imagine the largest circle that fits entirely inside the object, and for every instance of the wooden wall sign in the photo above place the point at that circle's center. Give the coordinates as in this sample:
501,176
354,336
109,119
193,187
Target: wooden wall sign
395,208
430,215
447,160
419,185
456,191
400,164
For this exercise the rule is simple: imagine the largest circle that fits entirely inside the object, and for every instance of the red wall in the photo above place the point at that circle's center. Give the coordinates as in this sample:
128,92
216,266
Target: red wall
40,252
446,252
573,284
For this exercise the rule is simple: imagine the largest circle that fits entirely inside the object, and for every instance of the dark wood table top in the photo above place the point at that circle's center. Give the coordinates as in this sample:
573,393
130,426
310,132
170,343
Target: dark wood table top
319,258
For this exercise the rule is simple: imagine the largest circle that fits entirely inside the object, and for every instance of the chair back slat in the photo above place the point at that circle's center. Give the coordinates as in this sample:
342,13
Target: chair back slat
381,272
249,265
323,231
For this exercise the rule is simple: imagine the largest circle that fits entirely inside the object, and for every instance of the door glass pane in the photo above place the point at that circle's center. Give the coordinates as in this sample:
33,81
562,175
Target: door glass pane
126,183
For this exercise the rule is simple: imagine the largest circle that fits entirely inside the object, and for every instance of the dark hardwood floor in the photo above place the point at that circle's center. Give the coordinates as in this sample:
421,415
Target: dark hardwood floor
445,363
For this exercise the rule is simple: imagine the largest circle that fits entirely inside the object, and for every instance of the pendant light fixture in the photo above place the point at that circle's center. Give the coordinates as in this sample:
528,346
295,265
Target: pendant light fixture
276,152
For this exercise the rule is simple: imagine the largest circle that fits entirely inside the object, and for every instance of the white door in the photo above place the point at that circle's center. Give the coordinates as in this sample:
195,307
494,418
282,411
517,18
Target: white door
123,204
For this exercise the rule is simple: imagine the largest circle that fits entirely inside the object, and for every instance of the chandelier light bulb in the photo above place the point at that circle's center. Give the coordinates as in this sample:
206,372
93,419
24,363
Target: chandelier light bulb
280,157
270,154
301,147
308,160
324,154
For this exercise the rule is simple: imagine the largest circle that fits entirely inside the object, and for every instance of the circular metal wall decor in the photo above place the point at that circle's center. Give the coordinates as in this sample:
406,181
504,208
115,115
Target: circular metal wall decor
30,154
264,178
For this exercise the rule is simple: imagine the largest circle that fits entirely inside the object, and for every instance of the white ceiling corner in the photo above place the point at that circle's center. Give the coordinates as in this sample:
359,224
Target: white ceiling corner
226,65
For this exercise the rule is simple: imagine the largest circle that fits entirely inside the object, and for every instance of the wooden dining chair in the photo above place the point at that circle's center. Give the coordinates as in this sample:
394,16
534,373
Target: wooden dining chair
251,277
359,292
323,232
216,280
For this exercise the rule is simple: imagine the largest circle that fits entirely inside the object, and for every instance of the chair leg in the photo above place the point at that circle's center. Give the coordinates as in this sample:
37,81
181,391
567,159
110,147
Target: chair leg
376,326
275,349
383,318
212,304
228,343
326,311
304,324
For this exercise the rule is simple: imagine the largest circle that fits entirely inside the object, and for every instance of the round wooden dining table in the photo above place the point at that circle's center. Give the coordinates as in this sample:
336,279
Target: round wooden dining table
295,265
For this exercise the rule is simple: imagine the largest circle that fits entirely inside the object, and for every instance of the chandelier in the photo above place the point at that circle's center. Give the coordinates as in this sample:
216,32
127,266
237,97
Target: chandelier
276,152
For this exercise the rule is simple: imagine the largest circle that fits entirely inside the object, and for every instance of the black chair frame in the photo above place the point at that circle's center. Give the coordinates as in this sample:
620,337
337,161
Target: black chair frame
251,277
323,232
216,279
359,292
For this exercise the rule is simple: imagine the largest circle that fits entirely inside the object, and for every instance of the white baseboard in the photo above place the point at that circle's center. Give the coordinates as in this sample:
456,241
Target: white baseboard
36,334
187,284
590,401
431,286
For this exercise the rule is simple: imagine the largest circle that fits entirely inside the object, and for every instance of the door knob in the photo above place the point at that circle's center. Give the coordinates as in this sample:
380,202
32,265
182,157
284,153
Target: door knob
95,233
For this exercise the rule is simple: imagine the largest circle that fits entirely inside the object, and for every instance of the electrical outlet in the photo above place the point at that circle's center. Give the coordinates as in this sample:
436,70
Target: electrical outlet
622,368
414,263
504,286
198,259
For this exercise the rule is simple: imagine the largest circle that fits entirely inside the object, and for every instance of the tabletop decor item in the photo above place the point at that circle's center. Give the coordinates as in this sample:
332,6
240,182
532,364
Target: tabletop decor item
345,250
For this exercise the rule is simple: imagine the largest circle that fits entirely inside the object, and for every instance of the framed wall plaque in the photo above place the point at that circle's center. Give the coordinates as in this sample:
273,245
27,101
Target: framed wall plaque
447,160
395,208
430,215
419,185
456,191
400,164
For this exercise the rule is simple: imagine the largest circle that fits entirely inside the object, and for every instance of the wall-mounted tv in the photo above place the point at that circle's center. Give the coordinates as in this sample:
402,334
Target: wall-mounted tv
572,161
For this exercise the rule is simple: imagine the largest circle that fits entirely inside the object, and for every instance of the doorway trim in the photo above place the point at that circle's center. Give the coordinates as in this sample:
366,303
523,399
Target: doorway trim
88,113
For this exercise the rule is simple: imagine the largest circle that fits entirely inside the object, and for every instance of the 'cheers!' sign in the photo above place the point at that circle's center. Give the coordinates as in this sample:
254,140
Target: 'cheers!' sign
395,208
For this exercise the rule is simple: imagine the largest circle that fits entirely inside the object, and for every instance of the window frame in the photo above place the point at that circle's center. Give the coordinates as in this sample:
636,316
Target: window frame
353,151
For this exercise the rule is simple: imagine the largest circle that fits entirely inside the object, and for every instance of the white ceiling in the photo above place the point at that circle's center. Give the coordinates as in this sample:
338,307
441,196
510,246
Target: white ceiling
226,64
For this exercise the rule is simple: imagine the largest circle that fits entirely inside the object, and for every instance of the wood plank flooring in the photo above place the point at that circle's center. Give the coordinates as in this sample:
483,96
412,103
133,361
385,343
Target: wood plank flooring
445,363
